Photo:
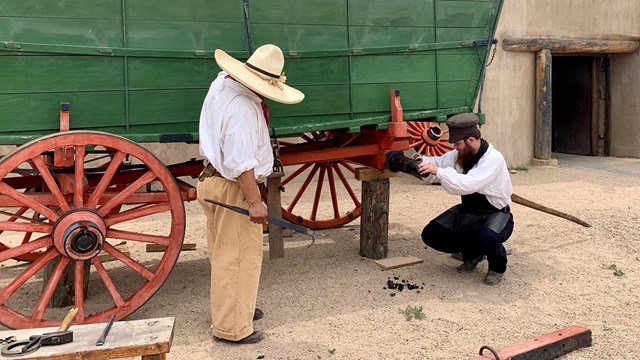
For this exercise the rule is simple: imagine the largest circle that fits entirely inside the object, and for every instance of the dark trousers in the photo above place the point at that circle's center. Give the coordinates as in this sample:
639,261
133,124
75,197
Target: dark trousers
471,244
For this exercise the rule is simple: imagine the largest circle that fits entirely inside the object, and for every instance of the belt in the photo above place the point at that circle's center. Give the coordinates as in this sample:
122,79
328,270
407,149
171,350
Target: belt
210,171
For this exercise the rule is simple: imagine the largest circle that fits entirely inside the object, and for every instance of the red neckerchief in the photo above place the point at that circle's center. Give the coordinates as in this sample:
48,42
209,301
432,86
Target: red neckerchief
265,108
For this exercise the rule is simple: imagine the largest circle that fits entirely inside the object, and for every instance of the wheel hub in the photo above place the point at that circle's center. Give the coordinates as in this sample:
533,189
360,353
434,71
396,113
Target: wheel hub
431,136
79,234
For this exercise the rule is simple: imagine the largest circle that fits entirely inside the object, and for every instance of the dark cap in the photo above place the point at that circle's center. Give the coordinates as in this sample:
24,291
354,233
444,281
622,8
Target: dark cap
462,126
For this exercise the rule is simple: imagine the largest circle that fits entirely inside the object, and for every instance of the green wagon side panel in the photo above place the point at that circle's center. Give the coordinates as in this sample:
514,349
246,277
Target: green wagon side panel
345,55
40,112
33,74
83,32
415,13
184,10
99,9
165,106
171,73
308,12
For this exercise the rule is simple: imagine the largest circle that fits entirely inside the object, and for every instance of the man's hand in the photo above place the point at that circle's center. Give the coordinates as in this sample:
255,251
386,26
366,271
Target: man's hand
258,212
426,168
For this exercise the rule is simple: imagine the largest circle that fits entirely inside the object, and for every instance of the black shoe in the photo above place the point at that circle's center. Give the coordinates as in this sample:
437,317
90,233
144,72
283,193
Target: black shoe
255,337
470,265
258,314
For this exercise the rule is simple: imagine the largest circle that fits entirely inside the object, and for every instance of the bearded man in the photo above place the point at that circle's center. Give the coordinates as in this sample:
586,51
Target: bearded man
478,226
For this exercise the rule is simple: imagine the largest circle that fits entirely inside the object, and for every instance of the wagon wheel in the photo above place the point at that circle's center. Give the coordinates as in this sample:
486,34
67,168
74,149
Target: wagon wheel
326,211
428,138
76,222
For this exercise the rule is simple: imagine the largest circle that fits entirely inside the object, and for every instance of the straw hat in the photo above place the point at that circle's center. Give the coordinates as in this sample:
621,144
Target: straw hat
262,73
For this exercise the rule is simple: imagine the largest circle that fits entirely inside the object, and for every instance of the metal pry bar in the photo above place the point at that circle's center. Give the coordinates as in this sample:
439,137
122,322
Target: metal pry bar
282,223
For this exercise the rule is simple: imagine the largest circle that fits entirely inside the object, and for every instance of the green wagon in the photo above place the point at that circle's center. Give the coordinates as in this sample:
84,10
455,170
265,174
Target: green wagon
82,83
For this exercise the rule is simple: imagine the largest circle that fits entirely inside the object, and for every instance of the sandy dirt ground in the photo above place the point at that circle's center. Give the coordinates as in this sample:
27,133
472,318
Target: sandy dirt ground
327,302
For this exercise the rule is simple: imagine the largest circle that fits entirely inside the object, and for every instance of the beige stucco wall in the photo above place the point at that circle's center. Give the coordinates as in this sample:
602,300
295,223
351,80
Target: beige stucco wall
509,97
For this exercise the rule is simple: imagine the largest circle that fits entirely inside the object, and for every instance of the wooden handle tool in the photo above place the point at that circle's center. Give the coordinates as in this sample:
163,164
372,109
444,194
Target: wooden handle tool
66,322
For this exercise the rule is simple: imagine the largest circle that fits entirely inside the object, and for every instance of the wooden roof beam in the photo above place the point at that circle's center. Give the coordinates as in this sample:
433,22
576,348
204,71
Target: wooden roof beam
571,46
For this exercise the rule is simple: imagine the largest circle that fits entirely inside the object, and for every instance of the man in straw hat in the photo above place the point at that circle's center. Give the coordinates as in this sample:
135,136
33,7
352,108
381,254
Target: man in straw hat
483,221
234,139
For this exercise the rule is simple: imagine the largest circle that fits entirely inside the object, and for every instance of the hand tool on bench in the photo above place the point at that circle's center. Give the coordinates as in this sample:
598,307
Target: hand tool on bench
62,336
105,332
280,222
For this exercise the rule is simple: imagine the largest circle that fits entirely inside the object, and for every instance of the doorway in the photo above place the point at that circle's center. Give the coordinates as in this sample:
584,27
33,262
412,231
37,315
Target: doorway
578,124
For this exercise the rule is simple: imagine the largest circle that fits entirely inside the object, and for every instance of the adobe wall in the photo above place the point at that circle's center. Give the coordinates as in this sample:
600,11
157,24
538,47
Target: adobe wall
509,96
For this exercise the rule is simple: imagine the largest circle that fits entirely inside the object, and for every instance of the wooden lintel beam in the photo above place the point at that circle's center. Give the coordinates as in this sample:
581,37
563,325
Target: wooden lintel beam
571,46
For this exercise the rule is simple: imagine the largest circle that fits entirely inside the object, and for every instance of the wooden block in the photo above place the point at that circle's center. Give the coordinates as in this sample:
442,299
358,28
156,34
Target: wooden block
150,338
365,173
398,261
161,248
106,257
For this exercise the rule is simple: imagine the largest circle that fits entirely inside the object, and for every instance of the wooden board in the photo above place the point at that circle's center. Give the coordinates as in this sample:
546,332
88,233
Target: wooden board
398,261
364,173
160,248
126,339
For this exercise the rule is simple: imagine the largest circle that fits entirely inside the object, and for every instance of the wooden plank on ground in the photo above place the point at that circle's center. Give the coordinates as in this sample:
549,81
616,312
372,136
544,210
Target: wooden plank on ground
398,261
161,248
126,339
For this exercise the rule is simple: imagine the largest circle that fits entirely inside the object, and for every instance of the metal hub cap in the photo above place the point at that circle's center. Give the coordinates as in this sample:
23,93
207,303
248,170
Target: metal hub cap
80,234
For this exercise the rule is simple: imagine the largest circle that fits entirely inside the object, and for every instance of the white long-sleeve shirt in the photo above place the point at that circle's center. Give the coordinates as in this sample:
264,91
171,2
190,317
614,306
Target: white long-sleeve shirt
233,133
489,177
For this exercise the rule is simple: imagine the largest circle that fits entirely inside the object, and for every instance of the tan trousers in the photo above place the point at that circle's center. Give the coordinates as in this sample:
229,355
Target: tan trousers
235,253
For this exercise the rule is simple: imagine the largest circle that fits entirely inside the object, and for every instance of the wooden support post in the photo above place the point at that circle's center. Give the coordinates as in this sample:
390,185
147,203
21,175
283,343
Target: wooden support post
542,148
374,223
595,105
274,204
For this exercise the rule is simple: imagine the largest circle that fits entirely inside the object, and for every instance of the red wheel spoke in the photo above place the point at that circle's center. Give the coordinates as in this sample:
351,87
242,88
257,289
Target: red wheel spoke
17,215
31,227
306,137
50,288
118,199
143,271
346,185
316,198
348,166
285,143
25,248
106,179
446,146
108,283
422,147
303,188
26,237
25,200
412,125
334,195
413,132
136,213
51,183
26,274
78,289
78,177
295,174
134,236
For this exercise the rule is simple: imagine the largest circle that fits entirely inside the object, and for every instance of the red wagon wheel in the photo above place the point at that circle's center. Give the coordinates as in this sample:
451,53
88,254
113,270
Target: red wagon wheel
427,138
326,184
85,209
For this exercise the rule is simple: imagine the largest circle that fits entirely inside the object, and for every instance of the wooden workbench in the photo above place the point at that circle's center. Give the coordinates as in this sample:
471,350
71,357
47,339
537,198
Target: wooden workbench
151,339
